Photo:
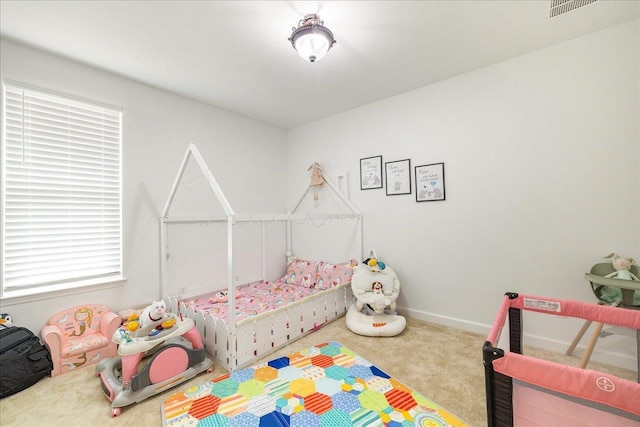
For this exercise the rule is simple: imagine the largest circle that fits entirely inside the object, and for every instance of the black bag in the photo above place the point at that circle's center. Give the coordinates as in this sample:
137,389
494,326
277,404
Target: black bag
23,360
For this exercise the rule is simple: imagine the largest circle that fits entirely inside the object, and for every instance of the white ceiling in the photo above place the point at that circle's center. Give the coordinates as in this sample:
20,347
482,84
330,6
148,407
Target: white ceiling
235,55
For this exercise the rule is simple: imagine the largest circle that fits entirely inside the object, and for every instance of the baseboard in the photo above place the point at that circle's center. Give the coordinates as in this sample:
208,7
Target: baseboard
604,356
451,322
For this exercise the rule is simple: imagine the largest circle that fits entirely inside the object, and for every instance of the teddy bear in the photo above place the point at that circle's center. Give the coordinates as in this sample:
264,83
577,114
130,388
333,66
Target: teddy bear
622,266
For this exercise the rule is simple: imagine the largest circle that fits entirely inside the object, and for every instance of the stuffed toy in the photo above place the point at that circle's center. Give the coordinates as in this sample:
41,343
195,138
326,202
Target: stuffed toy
376,287
316,179
5,321
153,313
622,266
222,296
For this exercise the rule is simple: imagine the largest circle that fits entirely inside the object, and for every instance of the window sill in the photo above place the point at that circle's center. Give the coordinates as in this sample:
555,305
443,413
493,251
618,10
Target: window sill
32,295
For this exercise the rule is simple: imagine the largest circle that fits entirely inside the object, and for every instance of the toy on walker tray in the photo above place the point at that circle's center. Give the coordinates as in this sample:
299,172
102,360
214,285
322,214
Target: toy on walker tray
376,288
176,355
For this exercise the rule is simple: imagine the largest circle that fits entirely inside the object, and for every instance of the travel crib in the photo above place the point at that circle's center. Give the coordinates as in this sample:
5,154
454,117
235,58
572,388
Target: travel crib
523,390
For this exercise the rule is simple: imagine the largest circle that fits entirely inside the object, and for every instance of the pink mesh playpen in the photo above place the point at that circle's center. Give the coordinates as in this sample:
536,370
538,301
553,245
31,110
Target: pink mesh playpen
526,391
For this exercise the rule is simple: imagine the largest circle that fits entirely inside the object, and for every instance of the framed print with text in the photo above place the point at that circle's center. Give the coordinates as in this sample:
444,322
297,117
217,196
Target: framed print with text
371,173
430,182
398,177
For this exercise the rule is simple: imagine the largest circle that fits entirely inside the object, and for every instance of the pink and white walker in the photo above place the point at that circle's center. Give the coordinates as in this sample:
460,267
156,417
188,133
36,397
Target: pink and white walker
176,355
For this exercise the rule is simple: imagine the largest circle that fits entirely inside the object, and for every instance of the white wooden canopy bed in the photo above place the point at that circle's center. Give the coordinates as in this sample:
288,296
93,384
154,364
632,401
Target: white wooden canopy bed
255,319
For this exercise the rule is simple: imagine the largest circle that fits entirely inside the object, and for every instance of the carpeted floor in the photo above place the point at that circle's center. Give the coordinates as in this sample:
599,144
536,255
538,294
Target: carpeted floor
442,363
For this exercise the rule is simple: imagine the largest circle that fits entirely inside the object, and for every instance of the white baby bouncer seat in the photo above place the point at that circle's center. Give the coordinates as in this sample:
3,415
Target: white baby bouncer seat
376,288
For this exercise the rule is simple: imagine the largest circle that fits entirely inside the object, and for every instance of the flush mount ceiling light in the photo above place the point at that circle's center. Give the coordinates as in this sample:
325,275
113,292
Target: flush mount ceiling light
312,40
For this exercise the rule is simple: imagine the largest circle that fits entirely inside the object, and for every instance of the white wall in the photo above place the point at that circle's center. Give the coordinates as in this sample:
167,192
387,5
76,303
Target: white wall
157,126
541,154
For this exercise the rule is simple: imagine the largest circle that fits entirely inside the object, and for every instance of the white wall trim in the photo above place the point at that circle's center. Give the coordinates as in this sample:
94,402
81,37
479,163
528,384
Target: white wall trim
450,322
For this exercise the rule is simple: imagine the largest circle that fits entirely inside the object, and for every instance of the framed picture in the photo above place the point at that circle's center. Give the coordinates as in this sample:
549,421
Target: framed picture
430,182
371,173
398,177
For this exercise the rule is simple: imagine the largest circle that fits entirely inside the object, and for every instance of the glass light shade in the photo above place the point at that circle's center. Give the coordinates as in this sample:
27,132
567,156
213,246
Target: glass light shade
312,45
311,39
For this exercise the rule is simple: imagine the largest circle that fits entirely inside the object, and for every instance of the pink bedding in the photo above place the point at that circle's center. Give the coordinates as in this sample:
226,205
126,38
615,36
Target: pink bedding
254,299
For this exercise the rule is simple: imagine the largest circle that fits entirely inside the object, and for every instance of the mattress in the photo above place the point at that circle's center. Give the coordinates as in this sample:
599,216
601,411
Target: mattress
253,299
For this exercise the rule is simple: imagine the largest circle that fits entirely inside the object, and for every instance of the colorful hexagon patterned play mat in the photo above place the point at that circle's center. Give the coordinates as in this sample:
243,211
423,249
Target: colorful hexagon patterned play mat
326,385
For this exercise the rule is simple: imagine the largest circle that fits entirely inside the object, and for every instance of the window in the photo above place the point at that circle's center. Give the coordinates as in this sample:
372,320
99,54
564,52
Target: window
61,192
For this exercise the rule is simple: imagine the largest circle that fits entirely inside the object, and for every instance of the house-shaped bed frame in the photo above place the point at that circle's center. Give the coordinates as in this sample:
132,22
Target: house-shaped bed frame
237,344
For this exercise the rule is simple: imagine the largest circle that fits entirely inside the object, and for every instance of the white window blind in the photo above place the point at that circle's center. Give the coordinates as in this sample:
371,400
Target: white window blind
61,191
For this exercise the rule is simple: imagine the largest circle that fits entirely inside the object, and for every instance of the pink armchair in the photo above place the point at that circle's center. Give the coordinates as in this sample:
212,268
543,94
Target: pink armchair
80,336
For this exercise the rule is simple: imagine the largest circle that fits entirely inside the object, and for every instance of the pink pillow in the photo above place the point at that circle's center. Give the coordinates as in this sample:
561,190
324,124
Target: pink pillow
330,275
302,273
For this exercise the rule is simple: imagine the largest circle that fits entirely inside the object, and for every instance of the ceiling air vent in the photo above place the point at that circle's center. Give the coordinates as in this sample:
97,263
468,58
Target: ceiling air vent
558,7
